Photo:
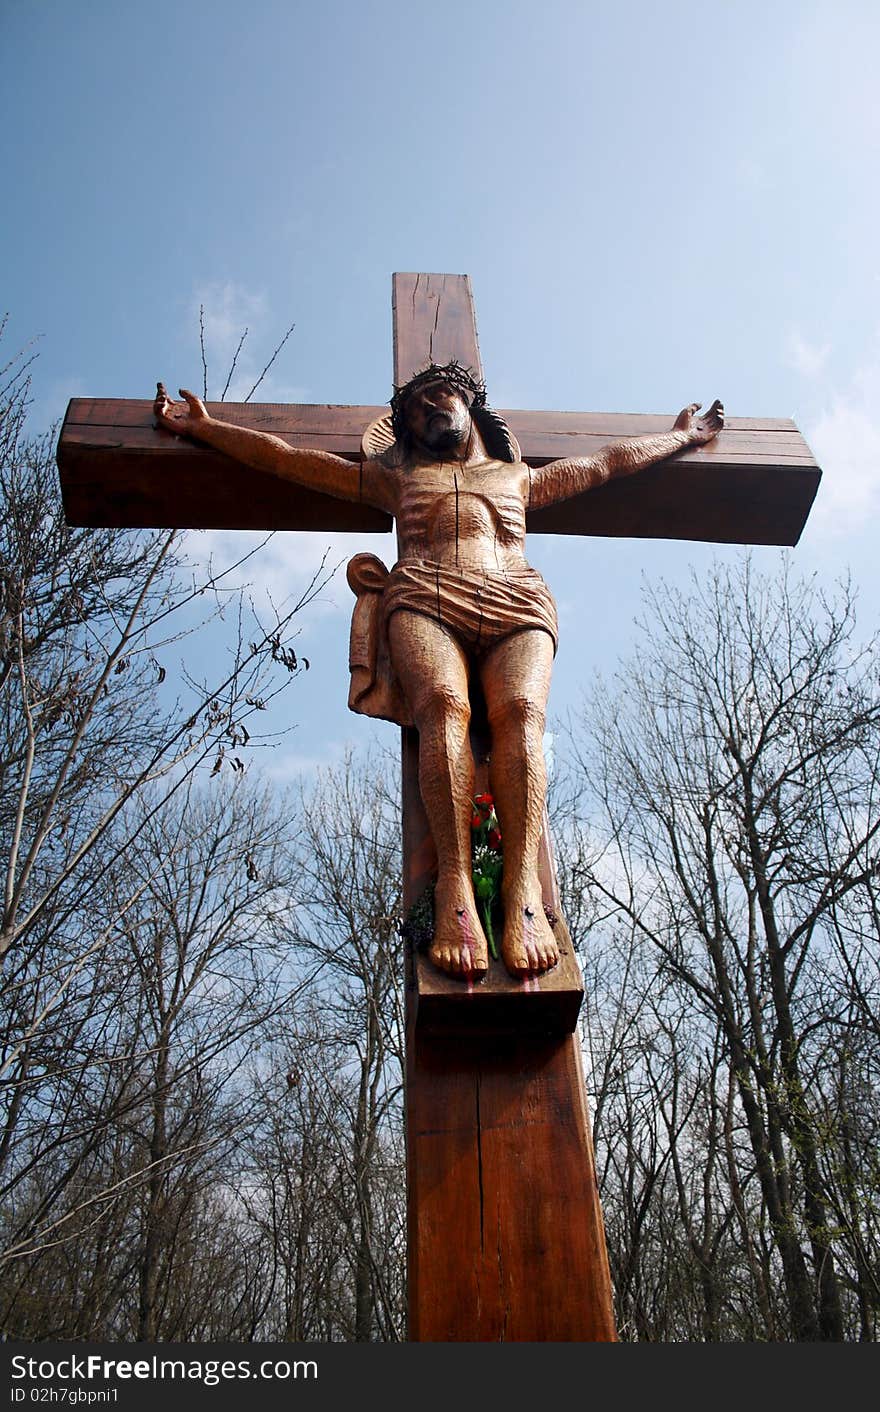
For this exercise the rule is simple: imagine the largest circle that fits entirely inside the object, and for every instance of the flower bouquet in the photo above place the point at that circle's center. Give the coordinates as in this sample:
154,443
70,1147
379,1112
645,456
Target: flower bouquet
487,863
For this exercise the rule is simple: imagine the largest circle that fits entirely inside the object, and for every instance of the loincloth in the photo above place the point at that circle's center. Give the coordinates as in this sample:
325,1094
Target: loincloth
477,608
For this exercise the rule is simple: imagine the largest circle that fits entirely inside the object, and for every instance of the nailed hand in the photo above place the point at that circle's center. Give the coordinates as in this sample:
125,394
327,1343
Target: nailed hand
700,429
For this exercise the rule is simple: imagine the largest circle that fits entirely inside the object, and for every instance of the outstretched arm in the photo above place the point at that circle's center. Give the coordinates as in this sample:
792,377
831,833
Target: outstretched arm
320,470
561,479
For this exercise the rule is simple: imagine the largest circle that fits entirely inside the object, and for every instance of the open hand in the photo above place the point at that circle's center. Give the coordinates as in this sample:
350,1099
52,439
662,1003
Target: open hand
184,419
700,429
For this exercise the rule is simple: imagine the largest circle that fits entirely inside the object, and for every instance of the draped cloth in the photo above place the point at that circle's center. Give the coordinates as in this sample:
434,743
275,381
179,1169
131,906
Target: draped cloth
478,608
374,689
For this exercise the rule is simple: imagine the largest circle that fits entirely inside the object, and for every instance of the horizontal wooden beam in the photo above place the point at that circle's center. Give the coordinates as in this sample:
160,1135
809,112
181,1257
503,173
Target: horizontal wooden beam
753,485
118,469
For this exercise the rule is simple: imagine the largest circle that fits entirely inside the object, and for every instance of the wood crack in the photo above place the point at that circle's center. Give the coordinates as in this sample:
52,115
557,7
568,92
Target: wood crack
480,1160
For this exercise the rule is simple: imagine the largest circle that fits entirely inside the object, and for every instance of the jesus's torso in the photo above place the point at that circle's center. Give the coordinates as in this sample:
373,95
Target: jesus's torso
462,515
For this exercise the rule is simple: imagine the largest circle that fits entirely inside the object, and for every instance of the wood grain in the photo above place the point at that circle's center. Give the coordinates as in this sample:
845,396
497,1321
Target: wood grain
754,485
506,1242
433,322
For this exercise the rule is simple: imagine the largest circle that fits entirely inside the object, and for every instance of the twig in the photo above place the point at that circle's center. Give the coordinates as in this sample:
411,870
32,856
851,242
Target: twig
232,369
270,362
202,344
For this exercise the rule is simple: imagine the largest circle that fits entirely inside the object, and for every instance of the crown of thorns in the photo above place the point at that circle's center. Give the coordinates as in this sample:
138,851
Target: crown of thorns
459,377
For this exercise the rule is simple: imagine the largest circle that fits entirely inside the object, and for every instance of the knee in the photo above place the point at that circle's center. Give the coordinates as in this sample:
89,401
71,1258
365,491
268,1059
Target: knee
518,713
440,704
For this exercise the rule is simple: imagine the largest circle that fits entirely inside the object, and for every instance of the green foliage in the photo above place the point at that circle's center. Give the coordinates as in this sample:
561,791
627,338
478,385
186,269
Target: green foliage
487,864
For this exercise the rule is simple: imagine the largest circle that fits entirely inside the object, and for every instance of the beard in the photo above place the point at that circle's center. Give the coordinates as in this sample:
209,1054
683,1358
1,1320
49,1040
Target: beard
444,434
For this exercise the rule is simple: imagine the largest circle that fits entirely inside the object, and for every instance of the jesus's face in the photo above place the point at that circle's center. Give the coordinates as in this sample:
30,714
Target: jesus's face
438,418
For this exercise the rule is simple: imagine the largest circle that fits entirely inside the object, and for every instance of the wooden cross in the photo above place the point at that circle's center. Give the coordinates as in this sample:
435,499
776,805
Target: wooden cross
754,484
504,1223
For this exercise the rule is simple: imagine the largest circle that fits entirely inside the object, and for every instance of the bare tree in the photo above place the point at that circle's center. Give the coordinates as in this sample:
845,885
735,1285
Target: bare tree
95,752
344,918
733,778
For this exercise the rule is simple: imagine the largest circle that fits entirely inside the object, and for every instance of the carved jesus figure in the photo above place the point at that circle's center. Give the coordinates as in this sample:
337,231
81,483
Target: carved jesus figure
460,601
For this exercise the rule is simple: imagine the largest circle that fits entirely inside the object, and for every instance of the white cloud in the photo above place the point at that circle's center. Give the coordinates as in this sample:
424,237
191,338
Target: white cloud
846,443
845,440
290,767
227,311
283,569
806,358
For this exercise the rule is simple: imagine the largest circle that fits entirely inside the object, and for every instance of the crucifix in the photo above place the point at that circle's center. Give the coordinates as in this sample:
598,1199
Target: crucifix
455,643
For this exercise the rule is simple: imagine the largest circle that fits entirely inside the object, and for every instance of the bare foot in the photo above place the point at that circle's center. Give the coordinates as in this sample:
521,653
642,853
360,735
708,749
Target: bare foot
528,945
459,944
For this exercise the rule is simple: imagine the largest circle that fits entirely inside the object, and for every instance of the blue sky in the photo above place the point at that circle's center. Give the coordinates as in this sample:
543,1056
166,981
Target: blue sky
656,204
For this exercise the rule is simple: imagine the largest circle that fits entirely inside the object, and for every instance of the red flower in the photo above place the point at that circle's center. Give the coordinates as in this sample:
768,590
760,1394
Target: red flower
494,838
485,801
476,821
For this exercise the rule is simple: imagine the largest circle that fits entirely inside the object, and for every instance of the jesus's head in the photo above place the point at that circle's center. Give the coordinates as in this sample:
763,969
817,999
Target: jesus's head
436,410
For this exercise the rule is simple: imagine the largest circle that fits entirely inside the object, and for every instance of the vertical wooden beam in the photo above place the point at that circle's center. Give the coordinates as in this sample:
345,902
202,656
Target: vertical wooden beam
434,322
506,1242
505,1234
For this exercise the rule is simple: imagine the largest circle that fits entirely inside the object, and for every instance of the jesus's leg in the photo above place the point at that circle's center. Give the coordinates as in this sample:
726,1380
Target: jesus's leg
433,673
516,683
